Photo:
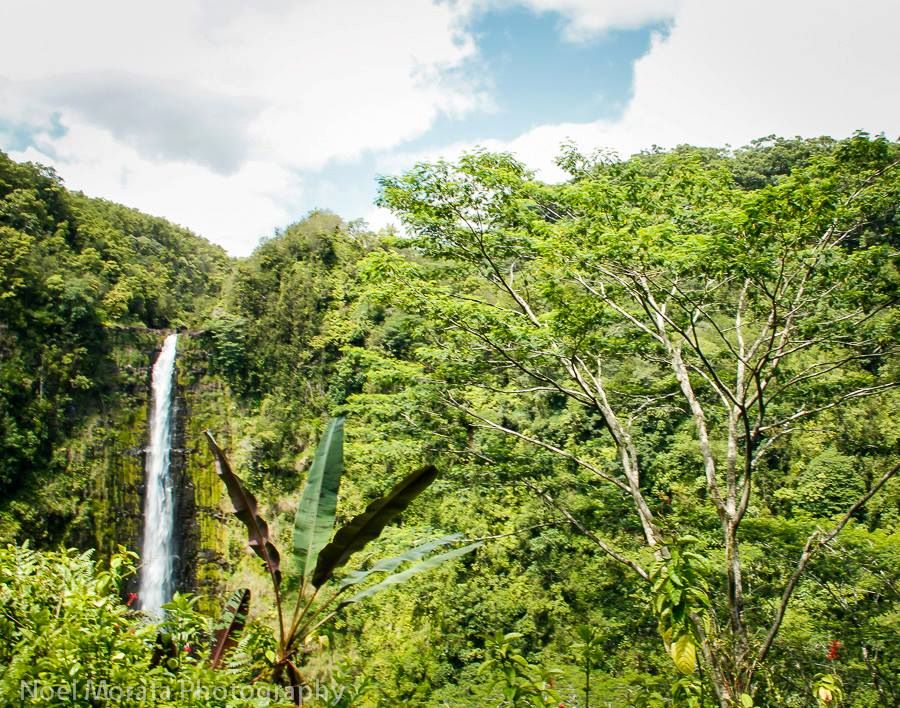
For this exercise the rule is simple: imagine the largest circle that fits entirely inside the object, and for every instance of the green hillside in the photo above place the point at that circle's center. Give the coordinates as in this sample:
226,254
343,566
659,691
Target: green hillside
80,279
662,395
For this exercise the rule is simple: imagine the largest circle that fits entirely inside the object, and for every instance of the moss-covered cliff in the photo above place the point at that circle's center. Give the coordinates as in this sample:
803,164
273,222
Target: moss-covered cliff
85,288
205,403
104,460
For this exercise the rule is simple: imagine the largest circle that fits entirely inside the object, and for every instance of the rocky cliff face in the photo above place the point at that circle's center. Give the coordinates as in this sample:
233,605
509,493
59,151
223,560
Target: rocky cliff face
108,452
204,403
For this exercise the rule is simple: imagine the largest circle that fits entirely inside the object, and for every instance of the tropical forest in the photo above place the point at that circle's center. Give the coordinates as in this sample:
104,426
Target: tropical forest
629,438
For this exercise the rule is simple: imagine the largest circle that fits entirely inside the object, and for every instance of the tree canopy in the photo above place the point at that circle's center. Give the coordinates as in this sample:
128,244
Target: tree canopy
660,396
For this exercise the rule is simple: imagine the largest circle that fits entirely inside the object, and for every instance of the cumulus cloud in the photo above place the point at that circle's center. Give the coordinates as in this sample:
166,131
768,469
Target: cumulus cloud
207,112
235,210
188,92
728,72
300,83
162,120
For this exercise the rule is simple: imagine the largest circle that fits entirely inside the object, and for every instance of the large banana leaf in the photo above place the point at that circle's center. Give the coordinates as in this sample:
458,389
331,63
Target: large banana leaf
314,520
230,624
388,564
403,576
245,508
368,525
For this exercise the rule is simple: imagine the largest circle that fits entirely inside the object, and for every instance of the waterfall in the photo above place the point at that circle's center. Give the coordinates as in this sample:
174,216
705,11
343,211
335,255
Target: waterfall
157,581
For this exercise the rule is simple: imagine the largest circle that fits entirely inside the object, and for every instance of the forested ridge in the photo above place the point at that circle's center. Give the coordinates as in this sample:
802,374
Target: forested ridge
660,398
75,271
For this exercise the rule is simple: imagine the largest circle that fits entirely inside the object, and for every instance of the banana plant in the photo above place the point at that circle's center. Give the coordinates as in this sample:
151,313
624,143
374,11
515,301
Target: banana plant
230,625
317,555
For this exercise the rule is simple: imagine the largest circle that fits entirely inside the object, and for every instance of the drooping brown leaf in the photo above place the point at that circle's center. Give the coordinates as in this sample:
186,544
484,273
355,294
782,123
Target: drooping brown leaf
234,616
246,509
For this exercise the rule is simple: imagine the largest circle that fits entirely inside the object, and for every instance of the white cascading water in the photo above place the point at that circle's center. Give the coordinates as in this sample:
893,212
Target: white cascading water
157,578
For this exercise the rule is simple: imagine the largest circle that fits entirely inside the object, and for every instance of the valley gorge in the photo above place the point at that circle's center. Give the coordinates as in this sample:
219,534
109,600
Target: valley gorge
584,454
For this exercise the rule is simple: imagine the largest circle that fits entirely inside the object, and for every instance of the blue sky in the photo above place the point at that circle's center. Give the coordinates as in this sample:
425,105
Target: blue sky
235,119
534,77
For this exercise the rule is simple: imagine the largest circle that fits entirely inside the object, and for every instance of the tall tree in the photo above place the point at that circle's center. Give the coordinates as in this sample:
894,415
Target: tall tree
659,289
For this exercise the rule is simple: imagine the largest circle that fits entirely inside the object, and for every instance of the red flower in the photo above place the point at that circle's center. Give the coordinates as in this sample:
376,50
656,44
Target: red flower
833,648
187,648
132,596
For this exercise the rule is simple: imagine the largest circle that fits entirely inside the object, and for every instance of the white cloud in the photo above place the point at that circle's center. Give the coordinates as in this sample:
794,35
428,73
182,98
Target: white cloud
729,72
192,100
237,209
204,112
298,82
586,18
379,218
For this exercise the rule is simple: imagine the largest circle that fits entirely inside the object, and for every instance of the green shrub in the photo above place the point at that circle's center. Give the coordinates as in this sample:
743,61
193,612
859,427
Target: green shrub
67,638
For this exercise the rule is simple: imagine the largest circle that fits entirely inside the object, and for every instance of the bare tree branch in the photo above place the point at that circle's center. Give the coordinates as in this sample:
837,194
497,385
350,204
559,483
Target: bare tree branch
815,543
603,545
450,400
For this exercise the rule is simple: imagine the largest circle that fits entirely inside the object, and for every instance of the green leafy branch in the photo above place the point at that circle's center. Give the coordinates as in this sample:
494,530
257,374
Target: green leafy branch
681,601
